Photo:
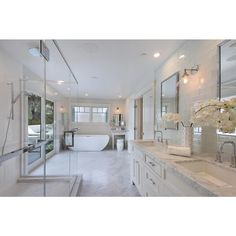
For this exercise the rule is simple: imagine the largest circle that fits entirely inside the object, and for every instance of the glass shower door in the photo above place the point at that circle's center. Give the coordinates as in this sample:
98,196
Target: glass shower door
36,94
61,90
21,73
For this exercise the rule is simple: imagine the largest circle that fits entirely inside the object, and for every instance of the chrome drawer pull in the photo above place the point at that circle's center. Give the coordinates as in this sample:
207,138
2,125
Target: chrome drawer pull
151,163
152,181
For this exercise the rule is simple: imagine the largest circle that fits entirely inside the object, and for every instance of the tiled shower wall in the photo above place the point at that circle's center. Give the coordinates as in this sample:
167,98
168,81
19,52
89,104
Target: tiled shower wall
201,86
11,70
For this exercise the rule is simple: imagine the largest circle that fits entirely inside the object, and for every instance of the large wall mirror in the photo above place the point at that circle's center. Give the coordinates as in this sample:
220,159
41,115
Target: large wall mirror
170,98
227,71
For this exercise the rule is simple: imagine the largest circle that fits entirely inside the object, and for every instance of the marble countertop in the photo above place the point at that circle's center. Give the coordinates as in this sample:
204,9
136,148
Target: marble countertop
118,131
203,185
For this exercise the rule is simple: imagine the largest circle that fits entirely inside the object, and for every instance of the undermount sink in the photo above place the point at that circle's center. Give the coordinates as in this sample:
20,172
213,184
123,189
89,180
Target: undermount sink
148,143
159,146
212,173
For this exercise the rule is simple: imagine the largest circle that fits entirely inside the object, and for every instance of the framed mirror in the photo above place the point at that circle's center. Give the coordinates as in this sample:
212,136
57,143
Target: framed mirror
170,98
227,72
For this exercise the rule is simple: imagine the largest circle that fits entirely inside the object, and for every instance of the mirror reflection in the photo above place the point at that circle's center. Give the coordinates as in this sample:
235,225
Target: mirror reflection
227,72
169,98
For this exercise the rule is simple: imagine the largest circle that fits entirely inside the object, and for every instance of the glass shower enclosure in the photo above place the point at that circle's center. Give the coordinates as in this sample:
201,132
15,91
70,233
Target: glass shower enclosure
37,88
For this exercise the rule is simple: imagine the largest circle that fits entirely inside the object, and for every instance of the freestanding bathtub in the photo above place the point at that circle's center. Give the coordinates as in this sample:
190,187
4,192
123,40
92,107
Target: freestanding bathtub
89,143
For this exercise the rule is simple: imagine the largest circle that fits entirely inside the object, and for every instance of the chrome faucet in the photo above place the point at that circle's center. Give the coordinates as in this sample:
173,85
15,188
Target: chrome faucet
233,158
162,139
158,131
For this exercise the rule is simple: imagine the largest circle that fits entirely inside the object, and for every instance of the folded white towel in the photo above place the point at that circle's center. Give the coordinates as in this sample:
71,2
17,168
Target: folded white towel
180,151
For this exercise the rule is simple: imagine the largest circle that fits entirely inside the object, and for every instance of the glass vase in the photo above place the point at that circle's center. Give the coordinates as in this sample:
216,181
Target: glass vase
187,136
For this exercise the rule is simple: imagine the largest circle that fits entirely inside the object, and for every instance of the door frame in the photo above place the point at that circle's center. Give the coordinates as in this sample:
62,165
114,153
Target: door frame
138,118
25,168
152,90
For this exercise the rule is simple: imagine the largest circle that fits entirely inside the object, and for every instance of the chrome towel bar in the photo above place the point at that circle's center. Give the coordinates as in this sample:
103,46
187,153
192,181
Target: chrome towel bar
20,151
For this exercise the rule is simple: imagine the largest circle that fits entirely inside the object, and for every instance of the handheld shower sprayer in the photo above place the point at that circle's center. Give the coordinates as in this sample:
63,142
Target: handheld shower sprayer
14,99
11,114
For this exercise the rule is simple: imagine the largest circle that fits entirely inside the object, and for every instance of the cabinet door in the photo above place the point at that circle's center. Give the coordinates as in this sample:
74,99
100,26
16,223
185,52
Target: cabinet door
152,183
139,177
138,174
133,171
167,191
150,192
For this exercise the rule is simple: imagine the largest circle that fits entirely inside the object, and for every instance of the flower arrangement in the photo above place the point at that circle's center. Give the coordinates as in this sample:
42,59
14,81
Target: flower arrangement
176,118
215,113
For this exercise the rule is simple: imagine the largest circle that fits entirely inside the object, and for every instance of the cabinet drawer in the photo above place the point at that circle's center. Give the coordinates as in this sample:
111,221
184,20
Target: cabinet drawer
139,155
156,167
152,182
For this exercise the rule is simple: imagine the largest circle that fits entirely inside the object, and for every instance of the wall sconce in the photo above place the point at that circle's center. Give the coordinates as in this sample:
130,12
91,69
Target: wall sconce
117,110
186,74
62,110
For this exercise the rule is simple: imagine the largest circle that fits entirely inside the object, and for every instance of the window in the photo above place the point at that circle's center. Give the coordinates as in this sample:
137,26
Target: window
34,126
197,130
81,114
49,119
99,114
164,110
90,114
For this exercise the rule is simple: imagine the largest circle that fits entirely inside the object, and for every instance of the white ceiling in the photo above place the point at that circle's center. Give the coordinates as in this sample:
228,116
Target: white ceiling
105,69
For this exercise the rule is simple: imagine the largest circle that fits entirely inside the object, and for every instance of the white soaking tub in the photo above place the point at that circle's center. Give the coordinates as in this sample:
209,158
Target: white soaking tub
89,143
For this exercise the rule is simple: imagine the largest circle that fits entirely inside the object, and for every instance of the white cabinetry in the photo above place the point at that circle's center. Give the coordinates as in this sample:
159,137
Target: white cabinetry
153,178
145,174
152,184
137,170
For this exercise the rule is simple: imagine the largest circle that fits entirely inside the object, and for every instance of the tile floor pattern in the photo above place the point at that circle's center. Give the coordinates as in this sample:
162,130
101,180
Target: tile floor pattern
105,173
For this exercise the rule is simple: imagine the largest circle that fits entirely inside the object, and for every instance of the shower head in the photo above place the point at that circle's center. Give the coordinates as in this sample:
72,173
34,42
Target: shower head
25,93
34,52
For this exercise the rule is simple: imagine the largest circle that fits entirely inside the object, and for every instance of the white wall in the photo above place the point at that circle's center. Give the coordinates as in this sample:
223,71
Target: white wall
148,115
97,128
10,71
129,104
201,86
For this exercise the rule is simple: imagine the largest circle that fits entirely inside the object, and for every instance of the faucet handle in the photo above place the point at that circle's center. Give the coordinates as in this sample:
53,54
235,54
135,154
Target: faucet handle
233,161
166,142
218,157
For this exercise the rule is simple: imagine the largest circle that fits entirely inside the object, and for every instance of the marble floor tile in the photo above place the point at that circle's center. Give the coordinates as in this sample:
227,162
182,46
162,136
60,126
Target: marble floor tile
105,173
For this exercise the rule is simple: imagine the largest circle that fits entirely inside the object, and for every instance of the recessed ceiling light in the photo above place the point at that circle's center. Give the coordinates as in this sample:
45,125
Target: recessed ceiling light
156,55
86,94
34,52
143,54
55,93
182,56
94,77
68,89
120,96
60,82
